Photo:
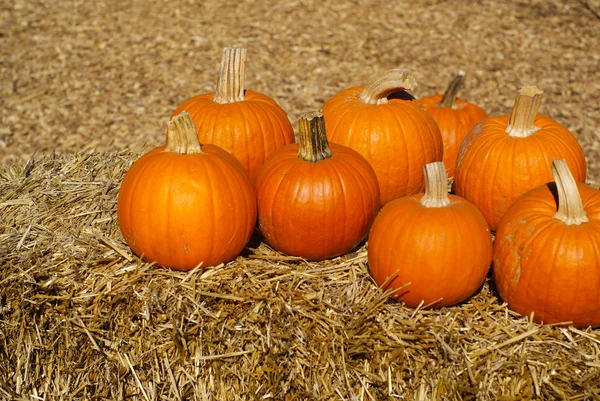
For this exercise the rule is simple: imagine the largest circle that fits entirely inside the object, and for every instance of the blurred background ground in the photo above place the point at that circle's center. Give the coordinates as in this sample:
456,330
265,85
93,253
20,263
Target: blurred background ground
95,82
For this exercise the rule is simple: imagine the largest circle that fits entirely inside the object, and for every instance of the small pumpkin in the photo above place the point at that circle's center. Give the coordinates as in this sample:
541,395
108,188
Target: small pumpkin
547,256
389,128
316,200
432,249
504,157
247,124
455,117
186,204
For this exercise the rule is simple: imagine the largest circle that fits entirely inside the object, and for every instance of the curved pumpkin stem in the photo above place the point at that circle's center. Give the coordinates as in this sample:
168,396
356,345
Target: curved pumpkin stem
436,185
382,85
525,108
449,97
230,84
313,139
182,137
570,207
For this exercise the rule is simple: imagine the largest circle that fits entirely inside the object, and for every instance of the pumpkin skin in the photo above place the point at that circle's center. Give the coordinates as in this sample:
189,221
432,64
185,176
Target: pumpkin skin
396,136
545,266
443,252
249,125
455,120
493,168
180,210
316,210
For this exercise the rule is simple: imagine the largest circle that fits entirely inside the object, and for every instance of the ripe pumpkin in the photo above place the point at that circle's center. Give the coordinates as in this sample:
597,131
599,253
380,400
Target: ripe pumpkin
547,257
247,124
431,249
316,200
389,128
183,204
455,117
504,157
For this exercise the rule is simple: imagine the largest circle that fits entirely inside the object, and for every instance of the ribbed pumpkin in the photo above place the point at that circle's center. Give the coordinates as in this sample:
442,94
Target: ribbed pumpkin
547,256
504,157
316,200
455,117
389,128
431,249
184,203
247,124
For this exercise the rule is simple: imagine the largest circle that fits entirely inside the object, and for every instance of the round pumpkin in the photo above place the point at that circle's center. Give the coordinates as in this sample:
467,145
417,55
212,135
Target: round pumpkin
431,249
547,256
455,117
316,200
504,157
186,204
247,124
389,128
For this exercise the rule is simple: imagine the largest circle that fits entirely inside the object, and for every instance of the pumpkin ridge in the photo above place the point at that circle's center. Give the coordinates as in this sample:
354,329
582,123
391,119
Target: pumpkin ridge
264,107
409,172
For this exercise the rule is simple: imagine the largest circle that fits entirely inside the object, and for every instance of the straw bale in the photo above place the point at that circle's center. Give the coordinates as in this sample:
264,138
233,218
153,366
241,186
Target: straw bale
81,317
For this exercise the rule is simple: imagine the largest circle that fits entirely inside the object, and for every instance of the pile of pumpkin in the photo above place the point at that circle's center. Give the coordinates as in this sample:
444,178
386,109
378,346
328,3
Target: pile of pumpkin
230,159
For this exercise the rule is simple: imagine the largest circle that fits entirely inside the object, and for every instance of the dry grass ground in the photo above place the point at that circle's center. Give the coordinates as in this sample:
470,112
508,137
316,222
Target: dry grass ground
86,86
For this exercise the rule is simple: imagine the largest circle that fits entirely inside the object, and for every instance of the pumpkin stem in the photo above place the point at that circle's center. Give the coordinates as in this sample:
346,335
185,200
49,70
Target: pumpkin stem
570,207
182,137
436,185
525,108
313,140
230,83
450,95
380,86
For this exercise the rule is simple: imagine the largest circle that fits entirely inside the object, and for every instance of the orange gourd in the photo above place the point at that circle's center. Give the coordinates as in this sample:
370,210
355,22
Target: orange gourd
316,200
547,256
431,249
504,157
247,124
389,128
455,117
185,204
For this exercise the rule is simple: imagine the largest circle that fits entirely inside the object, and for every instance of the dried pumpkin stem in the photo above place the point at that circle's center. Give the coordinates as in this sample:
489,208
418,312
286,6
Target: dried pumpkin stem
382,85
182,137
450,95
436,185
313,139
570,207
230,83
525,108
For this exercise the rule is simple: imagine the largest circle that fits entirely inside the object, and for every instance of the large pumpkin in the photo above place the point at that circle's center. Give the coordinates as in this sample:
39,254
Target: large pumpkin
455,117
547,256
431,249
389,128
504,157
247,124
186,204
316,200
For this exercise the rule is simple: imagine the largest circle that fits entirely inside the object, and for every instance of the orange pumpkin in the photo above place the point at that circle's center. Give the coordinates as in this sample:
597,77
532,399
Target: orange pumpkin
547,262
455,117
504,157
316,200
247,124
431,249
389,128
186,204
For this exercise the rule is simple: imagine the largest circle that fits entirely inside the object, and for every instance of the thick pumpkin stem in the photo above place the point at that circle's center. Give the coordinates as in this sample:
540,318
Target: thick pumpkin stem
382,85
570,207
230,84
313,140
450,95
525,108
436,185
182,137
